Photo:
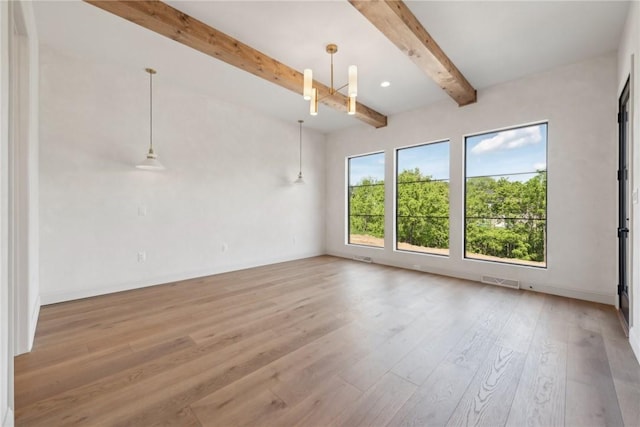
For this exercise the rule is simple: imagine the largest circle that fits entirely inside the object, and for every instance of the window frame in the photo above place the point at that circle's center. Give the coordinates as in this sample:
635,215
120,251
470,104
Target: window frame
347,187
514,263
396,196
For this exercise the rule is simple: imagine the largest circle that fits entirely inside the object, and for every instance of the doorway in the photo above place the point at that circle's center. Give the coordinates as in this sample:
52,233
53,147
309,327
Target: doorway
624,263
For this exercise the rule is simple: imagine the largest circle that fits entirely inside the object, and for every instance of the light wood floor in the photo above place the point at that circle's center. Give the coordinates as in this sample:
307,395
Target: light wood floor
328,342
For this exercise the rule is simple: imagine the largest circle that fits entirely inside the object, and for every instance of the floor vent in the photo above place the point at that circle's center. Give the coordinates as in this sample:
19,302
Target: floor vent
507,283
363,258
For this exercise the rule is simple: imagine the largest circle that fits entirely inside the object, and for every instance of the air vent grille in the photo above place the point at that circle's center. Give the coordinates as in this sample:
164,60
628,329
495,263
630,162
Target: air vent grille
507,283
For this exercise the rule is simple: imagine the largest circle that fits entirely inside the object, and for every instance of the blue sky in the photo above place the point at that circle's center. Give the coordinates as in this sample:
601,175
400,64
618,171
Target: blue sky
507,152
431,159
369,166
496,153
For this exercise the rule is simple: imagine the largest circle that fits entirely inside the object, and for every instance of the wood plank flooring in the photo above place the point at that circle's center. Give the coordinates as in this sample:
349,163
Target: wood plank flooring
328,342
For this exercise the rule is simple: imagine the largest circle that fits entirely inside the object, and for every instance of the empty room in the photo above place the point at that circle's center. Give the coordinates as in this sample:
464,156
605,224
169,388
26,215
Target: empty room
319,213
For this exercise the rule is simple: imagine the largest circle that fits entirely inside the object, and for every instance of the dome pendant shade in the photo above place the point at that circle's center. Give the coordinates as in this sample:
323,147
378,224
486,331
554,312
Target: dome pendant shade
151,162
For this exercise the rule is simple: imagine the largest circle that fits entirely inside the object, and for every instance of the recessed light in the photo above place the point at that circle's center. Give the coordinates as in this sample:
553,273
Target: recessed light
385,84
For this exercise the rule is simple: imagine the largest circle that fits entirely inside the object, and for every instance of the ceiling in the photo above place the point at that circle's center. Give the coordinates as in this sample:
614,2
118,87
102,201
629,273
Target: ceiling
489,41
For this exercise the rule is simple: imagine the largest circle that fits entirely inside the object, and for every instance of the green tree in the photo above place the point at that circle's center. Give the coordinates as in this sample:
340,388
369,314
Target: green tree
366,208
507,219
423,210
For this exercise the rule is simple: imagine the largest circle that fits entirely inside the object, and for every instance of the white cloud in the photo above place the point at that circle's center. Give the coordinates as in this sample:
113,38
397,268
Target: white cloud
509,139
539,166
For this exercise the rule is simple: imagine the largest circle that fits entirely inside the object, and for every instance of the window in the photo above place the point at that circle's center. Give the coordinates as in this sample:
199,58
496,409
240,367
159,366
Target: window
422,204
366,200
506,196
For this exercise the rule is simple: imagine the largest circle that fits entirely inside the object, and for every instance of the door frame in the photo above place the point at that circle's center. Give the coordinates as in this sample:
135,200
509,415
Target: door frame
625,260
22,179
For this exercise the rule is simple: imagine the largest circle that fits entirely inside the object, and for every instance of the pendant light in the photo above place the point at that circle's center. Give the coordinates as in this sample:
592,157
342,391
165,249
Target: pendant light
151,161
300,180
310,93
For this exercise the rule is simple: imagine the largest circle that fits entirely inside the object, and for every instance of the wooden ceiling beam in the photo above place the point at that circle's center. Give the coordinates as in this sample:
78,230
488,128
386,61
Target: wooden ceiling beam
170,22
394,19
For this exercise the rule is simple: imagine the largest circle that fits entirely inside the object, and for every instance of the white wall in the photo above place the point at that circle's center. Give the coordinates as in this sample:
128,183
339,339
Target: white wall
6,352
225,202
580,104
628,55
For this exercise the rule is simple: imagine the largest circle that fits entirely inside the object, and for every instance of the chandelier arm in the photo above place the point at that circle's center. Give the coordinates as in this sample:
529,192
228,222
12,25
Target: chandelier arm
330,94
341,87
325,97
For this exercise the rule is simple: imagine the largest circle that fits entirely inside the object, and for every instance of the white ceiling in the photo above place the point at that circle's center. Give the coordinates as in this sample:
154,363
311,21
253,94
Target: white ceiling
489,41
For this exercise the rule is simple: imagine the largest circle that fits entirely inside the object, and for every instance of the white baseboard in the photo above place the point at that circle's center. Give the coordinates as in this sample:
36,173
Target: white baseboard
553,289
8,419
634,340
569,292
57,297
25,344
33,322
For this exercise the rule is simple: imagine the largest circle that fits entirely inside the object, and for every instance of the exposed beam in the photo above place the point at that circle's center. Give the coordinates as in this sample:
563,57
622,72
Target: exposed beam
164,19
394,19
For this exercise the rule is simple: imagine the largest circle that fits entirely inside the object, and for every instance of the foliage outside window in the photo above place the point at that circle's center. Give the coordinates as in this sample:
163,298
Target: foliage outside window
366,200
422,208
506,196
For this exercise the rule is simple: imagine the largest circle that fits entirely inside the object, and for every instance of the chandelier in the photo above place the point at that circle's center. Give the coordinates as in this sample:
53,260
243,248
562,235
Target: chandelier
310,93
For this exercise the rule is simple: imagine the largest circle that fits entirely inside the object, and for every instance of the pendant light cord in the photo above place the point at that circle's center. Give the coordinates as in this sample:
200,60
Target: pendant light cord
151,112
300,121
